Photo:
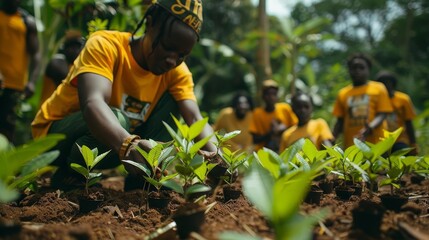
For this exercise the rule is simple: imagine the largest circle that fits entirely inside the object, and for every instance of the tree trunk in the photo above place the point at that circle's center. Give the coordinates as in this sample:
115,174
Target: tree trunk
263,66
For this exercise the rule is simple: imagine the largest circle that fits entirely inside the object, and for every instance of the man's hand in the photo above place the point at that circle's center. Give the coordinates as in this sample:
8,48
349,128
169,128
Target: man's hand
364,133
1,81
134,155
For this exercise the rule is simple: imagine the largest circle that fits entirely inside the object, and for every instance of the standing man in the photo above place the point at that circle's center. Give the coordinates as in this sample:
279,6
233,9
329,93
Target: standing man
19,62
402,115
362,106
271,120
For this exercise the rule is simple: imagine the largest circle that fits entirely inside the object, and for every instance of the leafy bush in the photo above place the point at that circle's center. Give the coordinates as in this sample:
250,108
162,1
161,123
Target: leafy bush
23,164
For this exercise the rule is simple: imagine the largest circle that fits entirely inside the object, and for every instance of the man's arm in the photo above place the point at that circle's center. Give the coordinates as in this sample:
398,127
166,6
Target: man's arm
94,95
191,113
338,128
367,130
33,50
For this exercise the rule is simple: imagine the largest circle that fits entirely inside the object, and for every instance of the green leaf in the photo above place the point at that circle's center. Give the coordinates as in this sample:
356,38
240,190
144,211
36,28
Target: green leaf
230,135
6,194
23,181
200,144
99,158
196,188
196,128
183,128
309,150
196,161
154,182
94,175
140,166
80,169
288,194
266,161
94,180
201,171
40,161
174,186
182,170
87,155
258,188
177,139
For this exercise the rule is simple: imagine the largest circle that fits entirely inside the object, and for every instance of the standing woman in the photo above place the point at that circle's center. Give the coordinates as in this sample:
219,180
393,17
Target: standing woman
121,88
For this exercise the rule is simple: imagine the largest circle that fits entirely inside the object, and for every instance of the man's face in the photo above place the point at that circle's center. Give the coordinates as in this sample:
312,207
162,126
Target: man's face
243,106
359,71
176,43
302,108
270,96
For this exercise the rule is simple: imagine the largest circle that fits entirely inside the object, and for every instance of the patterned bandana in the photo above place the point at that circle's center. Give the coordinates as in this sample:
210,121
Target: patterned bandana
188,11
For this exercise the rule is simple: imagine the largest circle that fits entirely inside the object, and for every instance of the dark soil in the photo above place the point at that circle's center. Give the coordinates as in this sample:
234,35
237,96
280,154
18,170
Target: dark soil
52,214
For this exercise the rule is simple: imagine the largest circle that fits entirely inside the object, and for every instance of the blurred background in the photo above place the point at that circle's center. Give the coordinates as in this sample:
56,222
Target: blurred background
302,44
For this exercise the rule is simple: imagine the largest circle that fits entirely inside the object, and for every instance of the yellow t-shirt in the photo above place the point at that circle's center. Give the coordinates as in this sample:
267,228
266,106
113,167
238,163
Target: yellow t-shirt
134,90
403,110
48,88
261,123
359,105
228,122
317,130
13,52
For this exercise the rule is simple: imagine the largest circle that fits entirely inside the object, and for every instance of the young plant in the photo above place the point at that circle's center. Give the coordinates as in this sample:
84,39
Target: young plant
234,160
158,159
349,164
279,200
191,165
223,138
23,164
91,159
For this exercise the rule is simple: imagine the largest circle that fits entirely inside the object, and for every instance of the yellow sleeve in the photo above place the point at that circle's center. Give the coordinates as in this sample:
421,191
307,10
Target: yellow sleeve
182,83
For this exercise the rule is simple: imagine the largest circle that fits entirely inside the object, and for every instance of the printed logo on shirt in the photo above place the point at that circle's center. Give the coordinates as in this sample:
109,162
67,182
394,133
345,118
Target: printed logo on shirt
134,109
358,109
392,121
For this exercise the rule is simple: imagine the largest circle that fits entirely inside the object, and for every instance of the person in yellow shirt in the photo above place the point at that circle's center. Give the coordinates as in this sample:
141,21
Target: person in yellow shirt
237,117
317,130
121,88
58,67
402,115
270,121
362,106
19,62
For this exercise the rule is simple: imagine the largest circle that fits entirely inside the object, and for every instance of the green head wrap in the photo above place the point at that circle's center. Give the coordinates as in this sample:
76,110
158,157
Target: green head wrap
188,11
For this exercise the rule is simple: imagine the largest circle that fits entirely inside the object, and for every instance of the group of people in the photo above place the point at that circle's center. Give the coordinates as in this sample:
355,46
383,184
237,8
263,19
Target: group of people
362,110
114,90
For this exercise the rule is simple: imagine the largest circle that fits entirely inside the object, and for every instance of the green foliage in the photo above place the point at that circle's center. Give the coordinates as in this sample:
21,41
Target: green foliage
191,165
234,160
279,200
158,159
91,159
22,165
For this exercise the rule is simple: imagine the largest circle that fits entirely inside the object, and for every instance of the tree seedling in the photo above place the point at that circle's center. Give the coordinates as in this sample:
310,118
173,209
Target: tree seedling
91,159
234,160
158,159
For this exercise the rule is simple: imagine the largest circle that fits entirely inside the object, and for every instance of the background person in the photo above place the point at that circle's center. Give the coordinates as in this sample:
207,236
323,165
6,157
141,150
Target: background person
58,67
402,115
121,88
237,117
317,130
362,106
19,62
272,119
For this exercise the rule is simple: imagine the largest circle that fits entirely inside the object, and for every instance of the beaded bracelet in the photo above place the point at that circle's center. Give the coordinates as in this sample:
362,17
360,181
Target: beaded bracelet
126,145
